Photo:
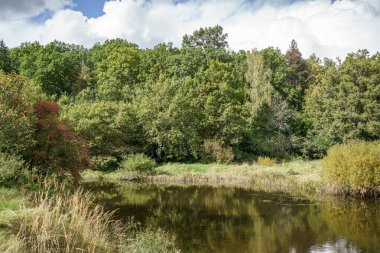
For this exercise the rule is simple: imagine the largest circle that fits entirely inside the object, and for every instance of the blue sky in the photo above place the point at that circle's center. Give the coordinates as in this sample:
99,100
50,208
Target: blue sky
327,28
90,8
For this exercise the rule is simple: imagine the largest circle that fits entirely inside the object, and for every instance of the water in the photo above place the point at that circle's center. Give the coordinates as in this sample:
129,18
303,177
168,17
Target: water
219,219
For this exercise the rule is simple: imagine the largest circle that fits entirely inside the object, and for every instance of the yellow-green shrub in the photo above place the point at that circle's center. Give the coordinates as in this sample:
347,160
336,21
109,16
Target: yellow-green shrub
214,151
354,165
11,170
138,163
265,161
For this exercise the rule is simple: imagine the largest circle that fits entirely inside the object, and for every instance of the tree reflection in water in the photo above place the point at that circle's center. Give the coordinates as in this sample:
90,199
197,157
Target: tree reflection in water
220,219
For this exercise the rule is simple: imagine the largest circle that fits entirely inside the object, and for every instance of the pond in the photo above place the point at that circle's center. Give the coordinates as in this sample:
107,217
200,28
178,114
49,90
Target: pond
224,219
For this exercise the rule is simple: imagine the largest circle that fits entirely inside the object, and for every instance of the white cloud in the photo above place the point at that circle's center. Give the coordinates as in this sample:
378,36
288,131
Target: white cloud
329,30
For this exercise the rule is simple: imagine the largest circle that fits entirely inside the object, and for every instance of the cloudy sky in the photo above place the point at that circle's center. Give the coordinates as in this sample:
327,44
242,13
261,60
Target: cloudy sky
325,27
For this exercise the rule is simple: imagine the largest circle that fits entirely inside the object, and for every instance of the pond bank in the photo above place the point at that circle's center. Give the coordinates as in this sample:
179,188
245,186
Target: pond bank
296,177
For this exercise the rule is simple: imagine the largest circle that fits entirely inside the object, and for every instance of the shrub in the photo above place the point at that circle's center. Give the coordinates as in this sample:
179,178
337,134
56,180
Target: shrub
105,163
215,152
138,163
266,161
57,149
11,169
355,166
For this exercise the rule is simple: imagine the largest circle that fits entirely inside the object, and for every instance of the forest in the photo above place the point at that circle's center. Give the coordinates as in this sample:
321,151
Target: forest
263,120
66,107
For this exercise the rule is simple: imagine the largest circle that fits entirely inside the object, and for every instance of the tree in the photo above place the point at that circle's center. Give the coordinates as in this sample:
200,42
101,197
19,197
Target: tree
219,93
110,128
157,61
5,59
210,41
206,39
258,76
171,124
117,63
57,150
345,105
297,77
58,67
17,96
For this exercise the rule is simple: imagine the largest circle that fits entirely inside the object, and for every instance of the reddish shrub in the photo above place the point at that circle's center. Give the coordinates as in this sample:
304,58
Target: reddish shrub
57,150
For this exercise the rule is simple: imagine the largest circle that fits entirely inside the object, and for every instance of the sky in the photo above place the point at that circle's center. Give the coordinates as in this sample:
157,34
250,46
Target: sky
324,27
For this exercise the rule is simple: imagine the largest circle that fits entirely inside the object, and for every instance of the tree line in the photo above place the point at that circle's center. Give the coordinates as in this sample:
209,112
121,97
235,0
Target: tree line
66,106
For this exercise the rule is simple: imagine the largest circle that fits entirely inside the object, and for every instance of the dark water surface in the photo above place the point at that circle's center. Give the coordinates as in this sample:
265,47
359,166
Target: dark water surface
221,219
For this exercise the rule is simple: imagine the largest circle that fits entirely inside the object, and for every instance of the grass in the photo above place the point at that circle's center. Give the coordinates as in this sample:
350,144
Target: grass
10,199
59,220
296,177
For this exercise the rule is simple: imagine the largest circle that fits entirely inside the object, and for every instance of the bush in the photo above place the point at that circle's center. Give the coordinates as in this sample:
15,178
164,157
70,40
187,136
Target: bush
138,163
355,166
11,169
215,152
105,163
265,161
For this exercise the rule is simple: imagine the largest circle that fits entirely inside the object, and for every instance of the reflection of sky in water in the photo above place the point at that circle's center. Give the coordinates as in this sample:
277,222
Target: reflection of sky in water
342,245
222,219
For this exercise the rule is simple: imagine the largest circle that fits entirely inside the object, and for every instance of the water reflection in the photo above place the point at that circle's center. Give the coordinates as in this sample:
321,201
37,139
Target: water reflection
219,219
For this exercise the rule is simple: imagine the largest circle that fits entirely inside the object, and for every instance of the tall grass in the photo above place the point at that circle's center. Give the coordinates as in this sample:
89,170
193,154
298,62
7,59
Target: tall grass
66,222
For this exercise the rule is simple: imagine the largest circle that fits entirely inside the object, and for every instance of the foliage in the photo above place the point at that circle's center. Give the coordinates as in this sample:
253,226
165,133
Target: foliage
166,102
17,95
206,38
116,64
110,128
215,152
170,120
355,165
105,163
266,161
58,67
344,105
57,149
138,163
298,77
11,170
5,58
260,89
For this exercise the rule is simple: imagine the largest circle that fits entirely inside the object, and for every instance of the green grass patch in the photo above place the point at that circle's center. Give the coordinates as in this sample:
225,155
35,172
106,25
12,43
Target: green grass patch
10,199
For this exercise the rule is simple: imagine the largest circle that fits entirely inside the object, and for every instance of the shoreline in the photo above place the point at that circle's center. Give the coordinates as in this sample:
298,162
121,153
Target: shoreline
297,178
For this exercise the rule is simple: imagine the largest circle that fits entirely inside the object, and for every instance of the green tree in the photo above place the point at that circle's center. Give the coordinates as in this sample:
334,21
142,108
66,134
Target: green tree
5,58
345,105
57,66
171,123
260,90
219,93
17,96
110,128
206,38
117,66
